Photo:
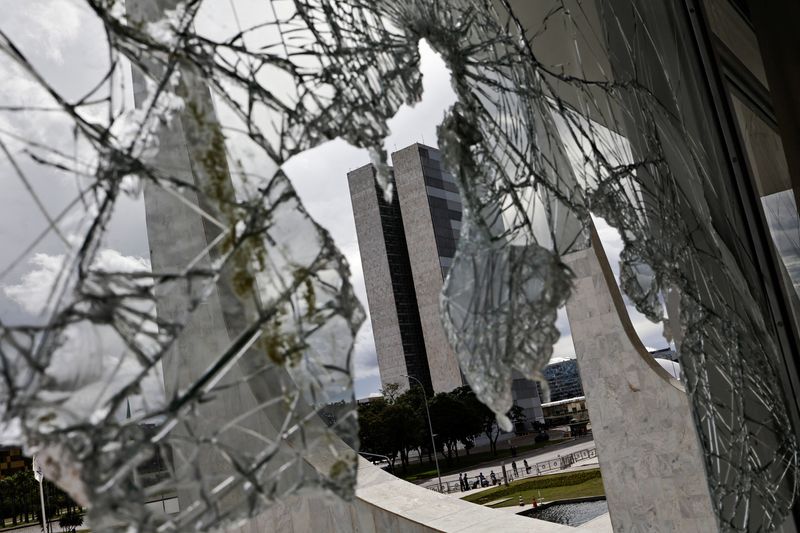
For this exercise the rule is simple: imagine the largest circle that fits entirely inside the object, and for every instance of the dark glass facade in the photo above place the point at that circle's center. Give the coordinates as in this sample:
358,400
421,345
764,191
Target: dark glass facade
405,299
665,353
563,379
445,204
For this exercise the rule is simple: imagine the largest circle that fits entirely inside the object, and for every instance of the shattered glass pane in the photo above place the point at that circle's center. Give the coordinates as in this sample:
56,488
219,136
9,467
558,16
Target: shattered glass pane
197,374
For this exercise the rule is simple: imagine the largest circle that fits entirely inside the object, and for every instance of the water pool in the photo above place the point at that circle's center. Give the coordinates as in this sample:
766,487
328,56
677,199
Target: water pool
571,514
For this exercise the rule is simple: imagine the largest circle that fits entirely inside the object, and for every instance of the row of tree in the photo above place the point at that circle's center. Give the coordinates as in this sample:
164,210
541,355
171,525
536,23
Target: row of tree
396,424
20,501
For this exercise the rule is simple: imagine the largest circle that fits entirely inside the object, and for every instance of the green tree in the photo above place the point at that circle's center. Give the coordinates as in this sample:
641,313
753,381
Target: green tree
8,504
400,426
19,499
373,434
471,419
397,423
447,414
388,426
483,419
390,392
417,427
25,489
70,521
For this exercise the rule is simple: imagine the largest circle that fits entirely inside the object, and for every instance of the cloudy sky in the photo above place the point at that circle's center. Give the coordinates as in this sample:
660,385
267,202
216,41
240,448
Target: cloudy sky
68,54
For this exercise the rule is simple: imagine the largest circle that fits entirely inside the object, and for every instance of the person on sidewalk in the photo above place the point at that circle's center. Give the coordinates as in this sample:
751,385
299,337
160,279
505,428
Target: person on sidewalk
527,468
514,468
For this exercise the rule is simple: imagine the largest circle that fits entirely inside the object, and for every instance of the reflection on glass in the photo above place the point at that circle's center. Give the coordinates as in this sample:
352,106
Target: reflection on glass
784,226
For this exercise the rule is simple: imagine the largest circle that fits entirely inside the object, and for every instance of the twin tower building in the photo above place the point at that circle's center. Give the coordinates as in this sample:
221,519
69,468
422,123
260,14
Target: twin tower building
406,249
407,246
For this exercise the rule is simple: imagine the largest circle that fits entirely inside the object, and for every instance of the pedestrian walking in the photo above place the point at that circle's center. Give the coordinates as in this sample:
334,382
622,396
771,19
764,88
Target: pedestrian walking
514,468
527,468
493,477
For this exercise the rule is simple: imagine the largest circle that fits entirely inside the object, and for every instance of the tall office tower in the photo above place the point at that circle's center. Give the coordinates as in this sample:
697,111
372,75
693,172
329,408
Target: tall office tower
406,249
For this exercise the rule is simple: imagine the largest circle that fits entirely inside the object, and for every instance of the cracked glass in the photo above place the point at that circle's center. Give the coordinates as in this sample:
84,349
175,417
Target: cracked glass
197,374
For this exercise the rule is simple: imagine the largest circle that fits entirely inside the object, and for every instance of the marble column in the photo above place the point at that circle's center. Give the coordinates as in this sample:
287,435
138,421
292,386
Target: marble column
647,444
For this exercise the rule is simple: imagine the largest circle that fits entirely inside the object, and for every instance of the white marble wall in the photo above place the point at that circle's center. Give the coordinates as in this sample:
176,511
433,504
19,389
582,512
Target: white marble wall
647,444
377,278
386,504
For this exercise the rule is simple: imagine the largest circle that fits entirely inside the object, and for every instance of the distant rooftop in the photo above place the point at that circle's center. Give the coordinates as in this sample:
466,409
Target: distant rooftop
562,402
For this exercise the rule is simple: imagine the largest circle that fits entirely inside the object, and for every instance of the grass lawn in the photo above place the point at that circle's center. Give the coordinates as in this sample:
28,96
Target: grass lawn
424,471
578,484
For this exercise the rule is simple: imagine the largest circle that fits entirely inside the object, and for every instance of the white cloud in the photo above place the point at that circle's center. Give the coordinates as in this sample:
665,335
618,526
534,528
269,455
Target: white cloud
112,261
418,123
11,432
47,26
90,365
564,348
91,362
365,359
34,289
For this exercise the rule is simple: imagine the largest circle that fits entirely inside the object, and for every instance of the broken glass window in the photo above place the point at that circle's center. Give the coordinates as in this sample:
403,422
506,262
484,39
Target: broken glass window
196,375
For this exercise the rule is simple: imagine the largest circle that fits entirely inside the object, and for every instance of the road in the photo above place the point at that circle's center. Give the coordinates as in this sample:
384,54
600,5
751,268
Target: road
533,456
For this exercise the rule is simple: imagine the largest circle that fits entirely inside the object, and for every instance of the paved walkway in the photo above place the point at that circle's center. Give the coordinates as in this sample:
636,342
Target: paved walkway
55,528
533,456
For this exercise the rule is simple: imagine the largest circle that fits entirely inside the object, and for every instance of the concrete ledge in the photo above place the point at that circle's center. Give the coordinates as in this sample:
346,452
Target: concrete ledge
385,503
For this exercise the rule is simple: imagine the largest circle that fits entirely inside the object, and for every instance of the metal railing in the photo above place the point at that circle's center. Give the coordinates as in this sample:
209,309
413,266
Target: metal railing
561,462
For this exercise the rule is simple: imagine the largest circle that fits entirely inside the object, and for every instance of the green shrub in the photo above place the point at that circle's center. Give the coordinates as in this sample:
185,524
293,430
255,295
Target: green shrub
70,521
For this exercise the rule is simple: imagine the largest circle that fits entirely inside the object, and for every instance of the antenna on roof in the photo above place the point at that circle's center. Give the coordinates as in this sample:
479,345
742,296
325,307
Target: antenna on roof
423,138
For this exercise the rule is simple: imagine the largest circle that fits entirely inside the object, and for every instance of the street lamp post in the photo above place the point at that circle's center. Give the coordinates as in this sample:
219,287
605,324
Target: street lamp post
430,427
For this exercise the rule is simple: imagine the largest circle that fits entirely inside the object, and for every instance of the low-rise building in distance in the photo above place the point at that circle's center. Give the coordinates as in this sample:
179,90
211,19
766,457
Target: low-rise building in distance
570,412
563,379
12,461
526,395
